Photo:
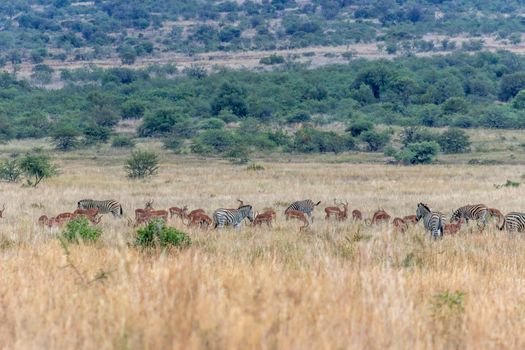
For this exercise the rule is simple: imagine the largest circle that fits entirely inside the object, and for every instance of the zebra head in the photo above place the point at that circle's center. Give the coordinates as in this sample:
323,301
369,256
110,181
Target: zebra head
422,210
247,210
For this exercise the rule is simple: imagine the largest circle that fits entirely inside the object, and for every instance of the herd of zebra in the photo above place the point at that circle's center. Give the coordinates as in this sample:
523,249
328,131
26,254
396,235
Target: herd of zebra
434,222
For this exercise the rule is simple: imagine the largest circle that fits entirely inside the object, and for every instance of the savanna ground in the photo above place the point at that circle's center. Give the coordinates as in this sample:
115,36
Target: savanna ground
342,285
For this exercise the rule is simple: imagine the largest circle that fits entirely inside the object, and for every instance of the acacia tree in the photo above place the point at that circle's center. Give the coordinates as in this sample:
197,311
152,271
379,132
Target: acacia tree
37,167
142,164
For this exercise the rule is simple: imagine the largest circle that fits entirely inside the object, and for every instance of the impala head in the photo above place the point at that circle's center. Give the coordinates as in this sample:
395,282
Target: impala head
241,203
149,205
456,216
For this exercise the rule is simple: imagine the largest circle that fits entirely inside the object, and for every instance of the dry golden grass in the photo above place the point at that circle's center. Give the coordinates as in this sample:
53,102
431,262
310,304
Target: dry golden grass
342,285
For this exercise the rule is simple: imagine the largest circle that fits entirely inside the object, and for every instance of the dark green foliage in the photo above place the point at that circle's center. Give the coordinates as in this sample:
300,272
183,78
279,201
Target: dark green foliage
418,153
298,117
37,167
95,133
511,84
518,102
309,140
142,164
359,126
231,96
10,170
157,234
272,59
216,141
454,141
132,110
120,141
65,137
417,134
172,142
127,54
80,230
166,121
212,123
374,140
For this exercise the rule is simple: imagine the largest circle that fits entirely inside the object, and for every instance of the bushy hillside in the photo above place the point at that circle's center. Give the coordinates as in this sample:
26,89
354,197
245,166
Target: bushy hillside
38,30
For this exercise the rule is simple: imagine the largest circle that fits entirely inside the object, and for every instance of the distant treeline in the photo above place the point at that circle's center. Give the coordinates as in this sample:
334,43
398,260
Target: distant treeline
35,30
212,112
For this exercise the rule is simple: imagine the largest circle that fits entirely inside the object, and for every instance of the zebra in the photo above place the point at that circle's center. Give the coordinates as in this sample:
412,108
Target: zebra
306,206
513,221
478,212
234,217
433,221
104,207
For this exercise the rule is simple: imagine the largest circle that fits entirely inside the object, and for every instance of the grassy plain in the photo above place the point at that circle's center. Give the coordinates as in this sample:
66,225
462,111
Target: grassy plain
343,285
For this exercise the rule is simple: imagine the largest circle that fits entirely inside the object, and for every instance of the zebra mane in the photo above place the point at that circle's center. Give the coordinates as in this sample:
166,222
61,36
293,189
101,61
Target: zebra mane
245,206
425,206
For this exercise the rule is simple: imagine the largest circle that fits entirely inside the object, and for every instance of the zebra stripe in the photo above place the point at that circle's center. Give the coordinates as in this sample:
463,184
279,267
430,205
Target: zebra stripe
306,206
104,207
234,217
433,221
478,212
514,222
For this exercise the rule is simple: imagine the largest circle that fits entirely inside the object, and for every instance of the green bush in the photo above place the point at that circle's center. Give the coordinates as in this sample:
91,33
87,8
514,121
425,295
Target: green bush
10,170
416,134
374,140
65,137
172,142
359,126
418,153
299,117
157,234
142,164
80,229
272,59
121,141
37,167
454,141
310,140
132,110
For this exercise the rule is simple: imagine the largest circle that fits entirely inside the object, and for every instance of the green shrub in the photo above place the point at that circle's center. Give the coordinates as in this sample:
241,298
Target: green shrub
454,141
132,110
416,134
375,141
299,117
65,137
212,123
172,142
121,141
157,234
272,59
80,229
142,164
10,170
310,140
359,126
37,167
418,153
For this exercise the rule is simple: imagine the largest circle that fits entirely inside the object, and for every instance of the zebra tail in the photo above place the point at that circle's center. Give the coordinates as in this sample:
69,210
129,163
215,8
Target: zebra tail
121,211
318,203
